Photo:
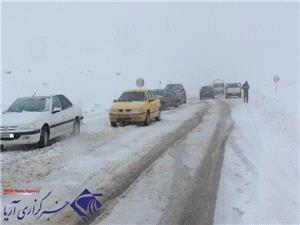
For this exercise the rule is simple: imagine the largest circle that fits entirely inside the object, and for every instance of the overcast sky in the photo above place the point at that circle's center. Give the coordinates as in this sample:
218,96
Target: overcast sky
192,43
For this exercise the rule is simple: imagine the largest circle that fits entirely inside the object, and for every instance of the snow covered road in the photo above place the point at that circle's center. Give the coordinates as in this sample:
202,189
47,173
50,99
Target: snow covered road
182,181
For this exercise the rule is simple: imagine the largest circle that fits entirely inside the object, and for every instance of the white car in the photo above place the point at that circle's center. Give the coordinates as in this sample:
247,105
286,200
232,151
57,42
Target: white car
33,120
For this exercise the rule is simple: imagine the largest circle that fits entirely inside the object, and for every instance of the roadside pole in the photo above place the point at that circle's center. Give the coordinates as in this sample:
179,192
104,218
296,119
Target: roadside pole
276,79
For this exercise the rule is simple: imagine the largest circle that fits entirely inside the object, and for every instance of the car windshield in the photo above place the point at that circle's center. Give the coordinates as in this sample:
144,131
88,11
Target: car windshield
28,105
132,96
233,85
169,92
172,86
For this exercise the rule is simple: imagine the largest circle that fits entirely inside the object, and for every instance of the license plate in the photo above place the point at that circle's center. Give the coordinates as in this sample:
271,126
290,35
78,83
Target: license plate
7,135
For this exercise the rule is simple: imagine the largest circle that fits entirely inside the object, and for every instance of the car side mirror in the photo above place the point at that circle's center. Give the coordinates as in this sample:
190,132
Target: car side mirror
56,110
115,100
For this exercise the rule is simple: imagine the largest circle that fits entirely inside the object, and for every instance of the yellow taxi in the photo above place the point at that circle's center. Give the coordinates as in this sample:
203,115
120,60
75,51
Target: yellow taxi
135,106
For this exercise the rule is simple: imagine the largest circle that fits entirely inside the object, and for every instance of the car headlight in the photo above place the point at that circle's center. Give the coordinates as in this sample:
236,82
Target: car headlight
30,126
137,111
113,111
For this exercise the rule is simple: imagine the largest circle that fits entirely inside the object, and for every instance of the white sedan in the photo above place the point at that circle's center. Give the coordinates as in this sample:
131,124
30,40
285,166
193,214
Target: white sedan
34,120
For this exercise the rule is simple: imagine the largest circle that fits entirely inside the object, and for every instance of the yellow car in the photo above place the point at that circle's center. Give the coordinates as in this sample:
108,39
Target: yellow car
135,106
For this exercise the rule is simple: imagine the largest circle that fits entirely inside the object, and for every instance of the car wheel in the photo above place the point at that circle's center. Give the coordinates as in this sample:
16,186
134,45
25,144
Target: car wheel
76,127
158,117
113,124
147,119
44,138
2,147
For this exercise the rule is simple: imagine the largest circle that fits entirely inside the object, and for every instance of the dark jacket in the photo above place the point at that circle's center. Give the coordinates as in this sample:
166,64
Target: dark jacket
246,87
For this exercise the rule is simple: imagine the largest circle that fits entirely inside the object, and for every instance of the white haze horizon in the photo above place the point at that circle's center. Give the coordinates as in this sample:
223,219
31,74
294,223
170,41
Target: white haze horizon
93,51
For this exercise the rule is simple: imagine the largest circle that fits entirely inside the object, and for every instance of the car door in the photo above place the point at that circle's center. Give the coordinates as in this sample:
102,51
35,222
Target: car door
56,118
182,94
156,104
153,104
68,113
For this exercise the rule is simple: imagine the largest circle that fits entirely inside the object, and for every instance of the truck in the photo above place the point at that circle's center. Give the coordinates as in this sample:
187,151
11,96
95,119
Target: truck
218,86
233,90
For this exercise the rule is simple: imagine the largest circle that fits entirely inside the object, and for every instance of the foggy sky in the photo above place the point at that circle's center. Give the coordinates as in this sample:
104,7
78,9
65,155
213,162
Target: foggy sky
192,43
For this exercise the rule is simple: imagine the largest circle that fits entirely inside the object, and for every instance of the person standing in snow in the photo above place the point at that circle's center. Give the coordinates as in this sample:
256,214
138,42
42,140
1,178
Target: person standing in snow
246,88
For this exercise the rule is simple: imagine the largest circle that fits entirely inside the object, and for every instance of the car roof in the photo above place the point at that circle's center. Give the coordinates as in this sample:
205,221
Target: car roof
40,96
173,84
137,90
34,97
234,83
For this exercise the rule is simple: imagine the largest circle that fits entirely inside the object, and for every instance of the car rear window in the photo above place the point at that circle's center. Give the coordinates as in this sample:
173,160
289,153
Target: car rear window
219,85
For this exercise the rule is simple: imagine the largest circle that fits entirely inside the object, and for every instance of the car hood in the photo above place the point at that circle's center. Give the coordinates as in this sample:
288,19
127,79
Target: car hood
128,105
17,119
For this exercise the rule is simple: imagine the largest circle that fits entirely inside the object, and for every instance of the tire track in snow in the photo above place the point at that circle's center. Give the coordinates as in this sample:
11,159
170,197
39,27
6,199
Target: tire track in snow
242,157
122,181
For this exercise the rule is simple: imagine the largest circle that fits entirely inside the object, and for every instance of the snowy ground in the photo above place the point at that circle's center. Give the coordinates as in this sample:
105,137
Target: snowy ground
260,177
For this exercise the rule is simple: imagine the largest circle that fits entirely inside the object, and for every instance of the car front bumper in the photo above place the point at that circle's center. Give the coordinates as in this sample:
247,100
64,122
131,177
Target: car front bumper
127,118
19,138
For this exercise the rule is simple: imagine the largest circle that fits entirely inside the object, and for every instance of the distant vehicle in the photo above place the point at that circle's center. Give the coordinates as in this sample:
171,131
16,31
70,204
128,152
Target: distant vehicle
34,120
158,92
218,87
233,90
207,92
176,90
166,101
135,106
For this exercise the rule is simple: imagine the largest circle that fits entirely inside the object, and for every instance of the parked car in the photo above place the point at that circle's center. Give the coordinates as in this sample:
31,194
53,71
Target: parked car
207,92
135,106
158,92
166,101
233,90
38,120
176,90
218,87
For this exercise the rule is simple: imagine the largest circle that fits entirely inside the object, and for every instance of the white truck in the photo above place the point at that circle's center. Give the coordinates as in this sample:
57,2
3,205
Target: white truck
233,90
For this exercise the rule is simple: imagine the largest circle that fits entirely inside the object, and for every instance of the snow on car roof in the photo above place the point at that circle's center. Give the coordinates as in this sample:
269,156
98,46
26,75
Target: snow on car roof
138,90
36,97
